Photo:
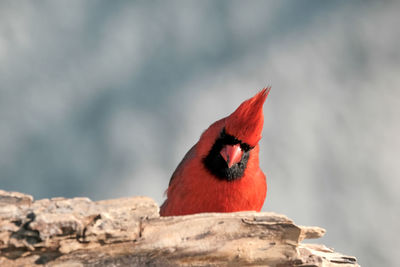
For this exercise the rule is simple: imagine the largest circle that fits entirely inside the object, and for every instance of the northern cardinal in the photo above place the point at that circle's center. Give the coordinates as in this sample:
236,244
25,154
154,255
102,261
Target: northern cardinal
221,172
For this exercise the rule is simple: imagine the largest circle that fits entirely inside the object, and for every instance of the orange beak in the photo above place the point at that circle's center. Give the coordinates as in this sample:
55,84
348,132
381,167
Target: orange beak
232,154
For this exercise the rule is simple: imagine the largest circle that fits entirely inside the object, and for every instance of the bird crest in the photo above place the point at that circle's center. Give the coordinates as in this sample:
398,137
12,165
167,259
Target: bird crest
246,122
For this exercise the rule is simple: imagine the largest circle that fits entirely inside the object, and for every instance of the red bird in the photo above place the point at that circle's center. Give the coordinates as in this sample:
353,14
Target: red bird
221,172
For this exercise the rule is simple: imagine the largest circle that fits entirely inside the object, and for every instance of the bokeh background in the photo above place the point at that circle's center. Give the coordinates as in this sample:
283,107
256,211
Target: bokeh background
103,98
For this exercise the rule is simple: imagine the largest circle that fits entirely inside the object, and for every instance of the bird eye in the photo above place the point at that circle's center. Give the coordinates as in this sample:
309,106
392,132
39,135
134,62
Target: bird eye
223,133
245,147
228,139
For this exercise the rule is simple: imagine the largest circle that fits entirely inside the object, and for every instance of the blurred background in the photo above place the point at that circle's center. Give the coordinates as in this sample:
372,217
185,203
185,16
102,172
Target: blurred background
103,98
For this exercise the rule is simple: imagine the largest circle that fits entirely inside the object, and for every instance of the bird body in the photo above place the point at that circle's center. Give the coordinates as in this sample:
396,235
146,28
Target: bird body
221,172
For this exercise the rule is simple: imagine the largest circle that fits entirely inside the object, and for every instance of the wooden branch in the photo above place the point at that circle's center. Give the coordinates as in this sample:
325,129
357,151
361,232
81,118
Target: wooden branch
130,232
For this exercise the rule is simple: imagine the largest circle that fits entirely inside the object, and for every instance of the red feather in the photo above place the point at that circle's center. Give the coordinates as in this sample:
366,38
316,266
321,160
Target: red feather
194,189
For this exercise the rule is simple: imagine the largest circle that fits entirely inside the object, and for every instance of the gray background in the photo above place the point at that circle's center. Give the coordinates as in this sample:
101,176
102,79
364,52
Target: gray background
103,98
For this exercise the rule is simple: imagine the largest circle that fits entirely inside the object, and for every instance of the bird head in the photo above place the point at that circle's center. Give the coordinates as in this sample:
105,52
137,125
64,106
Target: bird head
241,132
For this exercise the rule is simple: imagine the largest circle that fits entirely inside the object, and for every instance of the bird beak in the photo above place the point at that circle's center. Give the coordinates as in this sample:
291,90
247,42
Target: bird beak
232,154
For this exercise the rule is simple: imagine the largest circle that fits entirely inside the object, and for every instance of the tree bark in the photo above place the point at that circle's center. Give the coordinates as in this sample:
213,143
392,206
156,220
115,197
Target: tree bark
130,232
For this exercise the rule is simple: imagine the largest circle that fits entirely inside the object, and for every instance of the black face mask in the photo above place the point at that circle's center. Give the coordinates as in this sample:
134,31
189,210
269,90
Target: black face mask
216,164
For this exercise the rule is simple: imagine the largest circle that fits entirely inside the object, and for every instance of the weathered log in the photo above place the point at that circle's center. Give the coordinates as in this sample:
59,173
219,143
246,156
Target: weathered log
130,232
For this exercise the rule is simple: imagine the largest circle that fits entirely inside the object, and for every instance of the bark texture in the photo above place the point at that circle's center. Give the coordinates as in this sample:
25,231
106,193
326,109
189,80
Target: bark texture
130,232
